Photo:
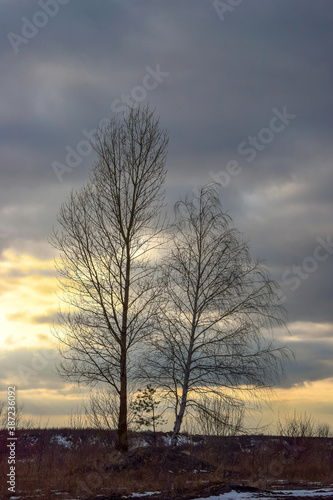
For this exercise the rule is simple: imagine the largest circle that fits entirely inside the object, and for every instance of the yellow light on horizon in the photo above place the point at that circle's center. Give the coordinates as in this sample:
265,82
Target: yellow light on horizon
25,296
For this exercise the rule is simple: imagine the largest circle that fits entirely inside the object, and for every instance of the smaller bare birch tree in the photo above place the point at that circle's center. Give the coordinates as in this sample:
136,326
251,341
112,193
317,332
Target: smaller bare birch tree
107,232
220,305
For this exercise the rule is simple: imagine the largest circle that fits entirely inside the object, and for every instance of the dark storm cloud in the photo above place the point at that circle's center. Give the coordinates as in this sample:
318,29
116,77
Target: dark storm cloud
222,86
313,361
225,79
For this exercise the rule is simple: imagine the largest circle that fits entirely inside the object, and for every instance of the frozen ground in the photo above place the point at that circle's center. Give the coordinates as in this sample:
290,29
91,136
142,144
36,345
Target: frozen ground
319,493
234,495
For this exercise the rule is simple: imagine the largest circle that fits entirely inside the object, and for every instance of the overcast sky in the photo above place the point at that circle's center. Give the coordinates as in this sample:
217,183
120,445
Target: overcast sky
245,92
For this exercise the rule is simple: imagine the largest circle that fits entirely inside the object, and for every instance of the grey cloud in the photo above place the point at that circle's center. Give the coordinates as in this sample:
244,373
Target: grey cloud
225,79
30,369
48,318
314,361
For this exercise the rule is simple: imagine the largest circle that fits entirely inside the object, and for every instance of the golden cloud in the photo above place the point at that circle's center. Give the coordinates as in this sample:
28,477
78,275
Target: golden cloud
27,298
24,263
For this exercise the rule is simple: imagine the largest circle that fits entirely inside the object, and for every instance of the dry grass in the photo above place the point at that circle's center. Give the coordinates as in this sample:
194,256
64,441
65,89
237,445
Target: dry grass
88,468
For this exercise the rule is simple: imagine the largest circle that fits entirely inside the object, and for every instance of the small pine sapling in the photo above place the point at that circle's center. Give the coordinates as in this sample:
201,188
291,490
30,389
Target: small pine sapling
144,408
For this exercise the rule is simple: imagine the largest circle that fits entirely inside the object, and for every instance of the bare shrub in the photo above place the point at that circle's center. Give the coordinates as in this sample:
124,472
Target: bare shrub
215,417
77,419
102,409
21,422
324,431
302,425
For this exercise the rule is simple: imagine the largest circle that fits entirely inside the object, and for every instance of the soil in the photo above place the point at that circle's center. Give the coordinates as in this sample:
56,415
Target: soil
162,459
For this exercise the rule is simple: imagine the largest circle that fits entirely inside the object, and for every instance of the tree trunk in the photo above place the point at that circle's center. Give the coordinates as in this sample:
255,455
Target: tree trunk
154,425
179,419
122,424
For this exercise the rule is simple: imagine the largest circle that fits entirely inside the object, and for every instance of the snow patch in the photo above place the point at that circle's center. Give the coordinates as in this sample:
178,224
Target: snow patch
93,440
138,443
137,495
31,439
61,441
235,495
181,440
308,493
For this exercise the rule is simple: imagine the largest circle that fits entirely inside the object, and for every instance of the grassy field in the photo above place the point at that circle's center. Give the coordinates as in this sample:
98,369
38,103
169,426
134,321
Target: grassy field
81,464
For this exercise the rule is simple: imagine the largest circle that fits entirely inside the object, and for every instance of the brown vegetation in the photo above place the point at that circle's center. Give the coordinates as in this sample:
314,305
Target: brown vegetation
82,464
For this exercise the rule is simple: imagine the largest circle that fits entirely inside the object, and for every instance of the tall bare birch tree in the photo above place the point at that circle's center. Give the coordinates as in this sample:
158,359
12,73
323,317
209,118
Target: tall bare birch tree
219,309
107,232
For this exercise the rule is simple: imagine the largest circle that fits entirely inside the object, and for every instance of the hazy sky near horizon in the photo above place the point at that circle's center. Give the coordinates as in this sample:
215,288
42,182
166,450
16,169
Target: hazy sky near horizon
245,92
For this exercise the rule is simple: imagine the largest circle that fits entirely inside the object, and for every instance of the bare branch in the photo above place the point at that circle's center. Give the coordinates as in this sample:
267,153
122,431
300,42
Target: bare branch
216,328
106,234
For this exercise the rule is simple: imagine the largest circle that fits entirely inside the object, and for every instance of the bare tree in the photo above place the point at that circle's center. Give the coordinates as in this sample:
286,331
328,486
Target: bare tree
108,231
220,305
